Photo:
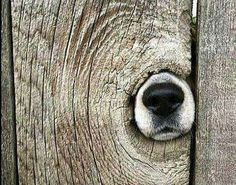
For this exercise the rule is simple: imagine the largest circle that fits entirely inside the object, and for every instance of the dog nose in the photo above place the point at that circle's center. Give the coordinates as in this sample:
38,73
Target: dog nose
163,98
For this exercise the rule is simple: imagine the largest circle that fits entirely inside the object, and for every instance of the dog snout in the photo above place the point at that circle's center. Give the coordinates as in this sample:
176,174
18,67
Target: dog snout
163,99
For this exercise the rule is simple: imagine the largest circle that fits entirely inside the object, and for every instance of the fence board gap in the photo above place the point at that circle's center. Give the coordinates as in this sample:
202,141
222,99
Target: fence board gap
9,170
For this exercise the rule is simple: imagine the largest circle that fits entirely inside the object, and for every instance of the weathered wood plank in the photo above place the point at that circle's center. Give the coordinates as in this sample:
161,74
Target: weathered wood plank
77,63
216,131
9,173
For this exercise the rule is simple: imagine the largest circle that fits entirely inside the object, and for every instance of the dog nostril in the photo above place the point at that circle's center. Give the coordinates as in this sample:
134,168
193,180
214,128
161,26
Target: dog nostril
163,98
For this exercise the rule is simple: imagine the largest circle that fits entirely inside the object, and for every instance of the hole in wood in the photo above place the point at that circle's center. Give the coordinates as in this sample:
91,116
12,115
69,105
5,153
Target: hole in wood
164,107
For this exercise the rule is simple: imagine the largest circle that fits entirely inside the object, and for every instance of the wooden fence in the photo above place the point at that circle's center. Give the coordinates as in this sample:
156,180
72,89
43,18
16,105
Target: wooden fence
66,80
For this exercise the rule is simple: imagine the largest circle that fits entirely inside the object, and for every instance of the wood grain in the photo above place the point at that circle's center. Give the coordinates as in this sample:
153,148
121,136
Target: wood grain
216,130
9,173
76,65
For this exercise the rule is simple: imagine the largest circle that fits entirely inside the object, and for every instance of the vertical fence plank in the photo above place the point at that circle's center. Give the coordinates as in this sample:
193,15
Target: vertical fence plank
216,130
77,64
8,133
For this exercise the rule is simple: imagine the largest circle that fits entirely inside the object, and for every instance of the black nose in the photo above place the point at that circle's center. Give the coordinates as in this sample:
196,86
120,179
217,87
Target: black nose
163,99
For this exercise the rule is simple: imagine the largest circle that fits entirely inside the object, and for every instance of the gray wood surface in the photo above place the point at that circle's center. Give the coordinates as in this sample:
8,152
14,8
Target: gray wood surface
77,62
216,128
8,132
